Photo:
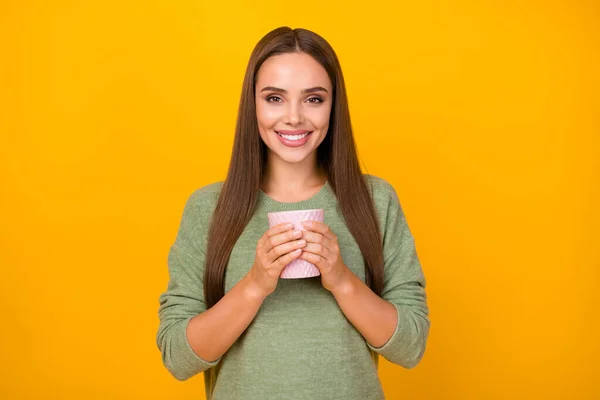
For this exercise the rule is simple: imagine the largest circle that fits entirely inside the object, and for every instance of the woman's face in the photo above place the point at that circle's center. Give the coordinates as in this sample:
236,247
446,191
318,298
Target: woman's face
293,97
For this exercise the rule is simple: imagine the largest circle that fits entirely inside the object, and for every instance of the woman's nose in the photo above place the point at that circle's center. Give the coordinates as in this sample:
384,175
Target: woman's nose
294,114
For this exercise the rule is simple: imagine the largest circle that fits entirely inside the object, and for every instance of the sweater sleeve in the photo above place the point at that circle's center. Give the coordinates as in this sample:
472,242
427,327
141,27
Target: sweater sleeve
184,296
404,287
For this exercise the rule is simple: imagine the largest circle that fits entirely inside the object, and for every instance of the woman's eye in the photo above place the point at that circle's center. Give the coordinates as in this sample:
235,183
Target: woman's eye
269,98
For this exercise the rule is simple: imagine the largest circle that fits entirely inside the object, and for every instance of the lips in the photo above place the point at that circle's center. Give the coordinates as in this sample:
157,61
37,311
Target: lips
297,142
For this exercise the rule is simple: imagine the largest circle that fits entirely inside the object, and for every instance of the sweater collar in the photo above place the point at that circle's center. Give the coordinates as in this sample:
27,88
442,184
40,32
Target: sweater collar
324,195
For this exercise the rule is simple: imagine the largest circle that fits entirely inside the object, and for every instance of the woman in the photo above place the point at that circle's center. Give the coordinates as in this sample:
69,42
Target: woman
227,313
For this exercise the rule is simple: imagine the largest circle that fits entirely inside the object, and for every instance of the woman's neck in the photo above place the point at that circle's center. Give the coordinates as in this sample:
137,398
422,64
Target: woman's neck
293,187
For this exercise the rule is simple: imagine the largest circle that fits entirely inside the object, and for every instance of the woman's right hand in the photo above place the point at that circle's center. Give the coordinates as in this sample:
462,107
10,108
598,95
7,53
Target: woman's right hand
277,247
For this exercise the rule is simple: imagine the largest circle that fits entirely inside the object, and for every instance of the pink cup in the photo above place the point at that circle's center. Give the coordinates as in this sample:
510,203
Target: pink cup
298,268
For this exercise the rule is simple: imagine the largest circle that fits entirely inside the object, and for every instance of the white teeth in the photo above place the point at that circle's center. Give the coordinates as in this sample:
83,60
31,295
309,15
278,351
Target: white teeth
294,137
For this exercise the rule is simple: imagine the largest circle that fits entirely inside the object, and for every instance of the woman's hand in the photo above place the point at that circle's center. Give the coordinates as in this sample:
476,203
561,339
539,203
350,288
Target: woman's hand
322,249
277,247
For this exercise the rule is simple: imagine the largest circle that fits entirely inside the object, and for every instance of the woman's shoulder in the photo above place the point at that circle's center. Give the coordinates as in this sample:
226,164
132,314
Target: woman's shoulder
210,188
380,188
206,195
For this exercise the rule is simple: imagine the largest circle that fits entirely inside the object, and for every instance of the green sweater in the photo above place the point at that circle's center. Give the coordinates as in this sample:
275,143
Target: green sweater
300,345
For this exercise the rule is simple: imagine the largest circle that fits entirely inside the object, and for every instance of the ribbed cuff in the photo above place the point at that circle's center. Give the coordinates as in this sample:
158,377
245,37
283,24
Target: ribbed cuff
192,362
390,343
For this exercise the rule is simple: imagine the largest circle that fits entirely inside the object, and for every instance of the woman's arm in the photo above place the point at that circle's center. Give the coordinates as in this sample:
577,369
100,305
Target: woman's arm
397,328
374,317
191,338
395,325
213,332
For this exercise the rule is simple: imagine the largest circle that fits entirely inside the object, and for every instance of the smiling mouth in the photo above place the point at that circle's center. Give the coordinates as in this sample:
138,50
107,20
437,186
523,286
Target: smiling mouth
294,137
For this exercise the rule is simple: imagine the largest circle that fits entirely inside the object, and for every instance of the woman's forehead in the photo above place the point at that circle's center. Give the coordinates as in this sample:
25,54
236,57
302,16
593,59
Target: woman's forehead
292,72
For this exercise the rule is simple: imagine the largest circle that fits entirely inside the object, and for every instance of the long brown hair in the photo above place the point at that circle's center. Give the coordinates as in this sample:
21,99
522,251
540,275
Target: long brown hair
336,155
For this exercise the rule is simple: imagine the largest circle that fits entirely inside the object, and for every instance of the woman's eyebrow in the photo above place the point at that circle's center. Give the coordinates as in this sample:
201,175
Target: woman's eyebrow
309,90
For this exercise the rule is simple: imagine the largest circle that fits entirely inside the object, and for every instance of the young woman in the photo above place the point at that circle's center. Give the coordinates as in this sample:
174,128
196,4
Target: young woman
227,313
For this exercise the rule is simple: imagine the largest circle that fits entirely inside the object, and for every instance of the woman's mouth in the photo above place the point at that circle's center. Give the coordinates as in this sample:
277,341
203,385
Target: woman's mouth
293,140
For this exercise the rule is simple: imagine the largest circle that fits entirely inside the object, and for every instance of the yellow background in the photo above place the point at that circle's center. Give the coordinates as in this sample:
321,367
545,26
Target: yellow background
483,115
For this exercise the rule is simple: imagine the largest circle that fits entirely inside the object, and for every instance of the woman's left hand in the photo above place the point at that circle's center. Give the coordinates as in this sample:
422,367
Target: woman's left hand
322,249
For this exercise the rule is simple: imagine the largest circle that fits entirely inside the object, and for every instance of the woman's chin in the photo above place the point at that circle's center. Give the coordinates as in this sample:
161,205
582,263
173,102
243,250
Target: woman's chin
292,157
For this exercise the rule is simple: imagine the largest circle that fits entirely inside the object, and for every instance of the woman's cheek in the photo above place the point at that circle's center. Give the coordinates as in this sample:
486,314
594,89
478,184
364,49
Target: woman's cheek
273,115
321,117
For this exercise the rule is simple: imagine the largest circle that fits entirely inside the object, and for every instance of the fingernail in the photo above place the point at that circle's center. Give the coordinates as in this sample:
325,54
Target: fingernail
301,242
296,233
